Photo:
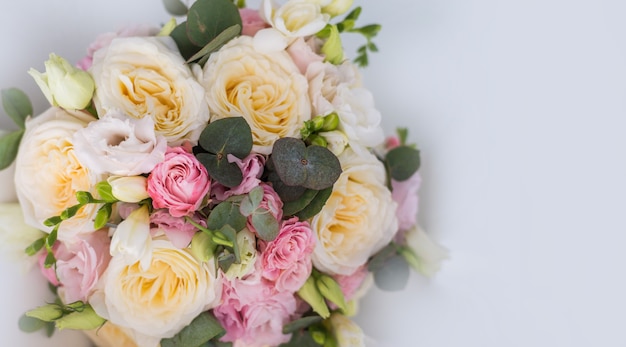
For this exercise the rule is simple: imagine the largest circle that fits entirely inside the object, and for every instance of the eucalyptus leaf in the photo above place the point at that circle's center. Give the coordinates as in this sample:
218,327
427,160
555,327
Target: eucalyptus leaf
17,105
285,192
265,225
187,48
218,167
175,7
225,260
402,162
301,339
226,213
301,323
201,330
379,259
206,19
393,276
231,235
230,135
215,44
290,208
30,324
9,144
316,205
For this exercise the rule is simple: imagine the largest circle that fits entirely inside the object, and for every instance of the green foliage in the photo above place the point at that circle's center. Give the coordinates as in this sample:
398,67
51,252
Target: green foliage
316,205
402,162
219,139
301,339
368,31
200,331
301,323
226,213
17,105
266,226
394,275
76,315
311,294
214,45
9,145
175,7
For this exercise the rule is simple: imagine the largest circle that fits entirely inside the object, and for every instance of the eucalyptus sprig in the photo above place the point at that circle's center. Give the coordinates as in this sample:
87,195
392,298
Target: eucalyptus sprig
18,107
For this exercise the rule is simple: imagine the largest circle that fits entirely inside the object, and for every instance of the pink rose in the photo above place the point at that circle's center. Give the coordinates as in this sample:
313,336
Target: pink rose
252,21
302,53
270,202
351,283
405,194
251,169
286,261
79,265
179,183
253,313
177,229
105,39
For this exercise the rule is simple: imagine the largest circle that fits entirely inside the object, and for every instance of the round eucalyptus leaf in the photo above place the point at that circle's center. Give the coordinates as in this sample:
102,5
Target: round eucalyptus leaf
220,169
206,19
265,225
393,276
230,135
402,162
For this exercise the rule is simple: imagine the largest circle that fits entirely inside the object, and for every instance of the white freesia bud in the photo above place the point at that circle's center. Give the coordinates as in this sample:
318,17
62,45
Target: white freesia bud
296,18
347,333
63,84
131,240
428,255
337,141
337,7
129,189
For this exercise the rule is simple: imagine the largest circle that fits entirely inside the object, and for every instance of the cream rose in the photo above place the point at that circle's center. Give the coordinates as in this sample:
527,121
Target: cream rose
147,77
266,89
358,219
48,174
160,301
296,18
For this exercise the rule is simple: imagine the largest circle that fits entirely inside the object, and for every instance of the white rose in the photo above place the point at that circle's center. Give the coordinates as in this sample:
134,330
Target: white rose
159,302
358,117
120,145
347,333
296,18
147,77
48,174
428,254
324,79
358,219
267,90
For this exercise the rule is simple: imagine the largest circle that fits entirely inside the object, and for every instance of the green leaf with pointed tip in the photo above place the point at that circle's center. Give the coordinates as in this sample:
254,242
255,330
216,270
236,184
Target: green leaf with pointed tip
85,319
17,105
102,216
265,225
175,7
105,191
35,247
402,162
226,213
9,144
187,48
312,167
316,205
292,207
201,329
394,275
46,313
300,324
217,43
206,19
231,235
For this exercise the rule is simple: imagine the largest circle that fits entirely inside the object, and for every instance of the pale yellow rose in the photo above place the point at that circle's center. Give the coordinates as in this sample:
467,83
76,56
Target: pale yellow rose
147,77
48,174
160,301
111,335
358,219
267,90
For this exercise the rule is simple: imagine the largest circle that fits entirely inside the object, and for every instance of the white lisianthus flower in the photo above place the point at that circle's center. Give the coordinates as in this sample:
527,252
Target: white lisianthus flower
324,79
267,90
295,18
347,333
131,241
428,255
358,219
246,241
129,189
161,300
48,174
147,77
358,117
120,145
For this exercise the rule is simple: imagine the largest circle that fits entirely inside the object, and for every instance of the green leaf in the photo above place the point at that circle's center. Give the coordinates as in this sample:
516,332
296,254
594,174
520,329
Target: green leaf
230,135
402,162
251,202
84,197
368,31
312,167
202,329
218,167
354,15
226,213
316,205
217,43
46,313
35,246
301,339
265,225
301,323
231,235
202,248
105,191
403,134
9,144
394,275
225,260
70,212
175,7
17,105
49,261
206,19
379,259
187,48
30,324
85,319
102,216
292,207
52,221
52,238
285,192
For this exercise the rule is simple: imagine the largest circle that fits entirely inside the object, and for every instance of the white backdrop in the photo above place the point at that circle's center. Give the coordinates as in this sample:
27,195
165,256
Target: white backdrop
519,108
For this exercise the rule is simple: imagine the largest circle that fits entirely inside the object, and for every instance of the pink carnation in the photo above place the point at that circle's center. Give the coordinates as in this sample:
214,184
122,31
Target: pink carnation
179,183
105,39
286,261
251,169
270,202
405,194
351,283
79,265
252,21
177,229
253,313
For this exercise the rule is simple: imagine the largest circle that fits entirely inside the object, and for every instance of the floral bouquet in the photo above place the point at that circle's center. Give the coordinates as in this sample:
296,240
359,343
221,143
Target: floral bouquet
221,180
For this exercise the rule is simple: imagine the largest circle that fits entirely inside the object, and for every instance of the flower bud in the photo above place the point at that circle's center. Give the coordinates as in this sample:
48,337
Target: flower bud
318,140
46,313
332,48
330,289
337,7
309,293
86,319
331,122
336,141
129,189
318,123
64,85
